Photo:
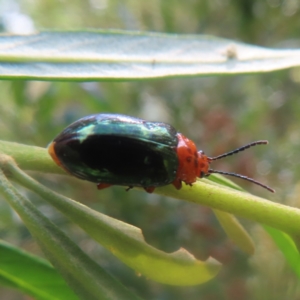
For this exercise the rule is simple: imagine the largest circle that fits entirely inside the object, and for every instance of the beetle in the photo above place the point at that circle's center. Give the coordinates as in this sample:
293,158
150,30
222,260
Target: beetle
114,149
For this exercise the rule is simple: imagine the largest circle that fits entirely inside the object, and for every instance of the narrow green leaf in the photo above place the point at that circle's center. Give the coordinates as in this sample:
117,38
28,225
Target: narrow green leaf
221,180
287,246
84,276
235,231
233,228
94,55
31,274
286,243
126,241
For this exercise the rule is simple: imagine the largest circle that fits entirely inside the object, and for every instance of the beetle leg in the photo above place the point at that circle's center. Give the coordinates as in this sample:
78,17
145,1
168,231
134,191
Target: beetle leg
149,189
177,183
102,186
129,188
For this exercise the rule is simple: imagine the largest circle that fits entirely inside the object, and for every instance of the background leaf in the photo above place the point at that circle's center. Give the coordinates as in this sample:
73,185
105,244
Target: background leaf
94,55
31,274
235,231
287,246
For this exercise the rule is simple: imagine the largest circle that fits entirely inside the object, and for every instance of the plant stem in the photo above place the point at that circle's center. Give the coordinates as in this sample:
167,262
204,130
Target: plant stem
30,158
203,192
239,203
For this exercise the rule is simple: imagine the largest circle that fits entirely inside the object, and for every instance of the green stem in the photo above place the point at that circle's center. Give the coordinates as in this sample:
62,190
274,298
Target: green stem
30,158
203,192
276,215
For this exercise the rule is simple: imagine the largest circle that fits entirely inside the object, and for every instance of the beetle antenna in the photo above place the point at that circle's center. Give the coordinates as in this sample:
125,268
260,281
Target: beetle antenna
210,171
263,142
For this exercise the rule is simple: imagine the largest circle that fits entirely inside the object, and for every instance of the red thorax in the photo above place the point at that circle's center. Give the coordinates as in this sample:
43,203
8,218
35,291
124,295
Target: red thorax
192,163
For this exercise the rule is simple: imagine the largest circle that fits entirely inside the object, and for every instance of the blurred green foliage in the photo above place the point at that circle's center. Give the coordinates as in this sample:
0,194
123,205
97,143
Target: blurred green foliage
218,113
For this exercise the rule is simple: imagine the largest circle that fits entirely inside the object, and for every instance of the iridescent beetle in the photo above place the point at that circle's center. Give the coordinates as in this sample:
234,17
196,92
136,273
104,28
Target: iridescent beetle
112,149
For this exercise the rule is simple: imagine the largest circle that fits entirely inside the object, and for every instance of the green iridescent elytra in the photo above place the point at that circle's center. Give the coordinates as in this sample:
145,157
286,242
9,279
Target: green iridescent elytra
120,150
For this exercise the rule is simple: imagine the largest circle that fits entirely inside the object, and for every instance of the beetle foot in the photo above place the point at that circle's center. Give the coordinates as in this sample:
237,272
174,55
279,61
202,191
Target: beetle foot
129,188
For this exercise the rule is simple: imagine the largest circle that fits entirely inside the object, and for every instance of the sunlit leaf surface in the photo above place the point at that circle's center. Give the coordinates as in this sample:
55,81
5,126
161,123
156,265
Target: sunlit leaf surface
93,55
